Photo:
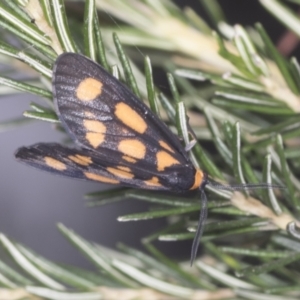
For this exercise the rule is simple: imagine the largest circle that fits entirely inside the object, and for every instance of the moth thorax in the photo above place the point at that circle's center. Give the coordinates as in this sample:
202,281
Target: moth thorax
189,179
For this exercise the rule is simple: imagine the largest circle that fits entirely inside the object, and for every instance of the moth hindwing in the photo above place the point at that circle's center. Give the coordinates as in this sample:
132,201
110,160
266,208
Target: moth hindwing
118,138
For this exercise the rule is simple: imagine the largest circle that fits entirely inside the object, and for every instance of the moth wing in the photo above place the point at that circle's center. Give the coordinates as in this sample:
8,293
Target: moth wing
100,112
83,164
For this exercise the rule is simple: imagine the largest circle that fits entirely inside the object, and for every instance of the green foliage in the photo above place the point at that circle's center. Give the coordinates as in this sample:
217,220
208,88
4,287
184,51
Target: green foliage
242,99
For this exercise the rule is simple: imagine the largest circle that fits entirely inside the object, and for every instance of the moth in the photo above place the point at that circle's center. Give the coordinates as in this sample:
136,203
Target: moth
119,140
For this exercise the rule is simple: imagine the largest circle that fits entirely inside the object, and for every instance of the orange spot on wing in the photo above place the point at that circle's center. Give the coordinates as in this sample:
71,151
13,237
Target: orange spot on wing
89,89
95,132
90,115
166,146
130,117
100,178
152,182
54,163
80,159
132,148
126,169
164,160
129,159
120,173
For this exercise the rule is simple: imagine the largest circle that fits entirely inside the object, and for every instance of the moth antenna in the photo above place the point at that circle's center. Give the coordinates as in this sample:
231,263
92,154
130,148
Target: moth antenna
245,186
202,219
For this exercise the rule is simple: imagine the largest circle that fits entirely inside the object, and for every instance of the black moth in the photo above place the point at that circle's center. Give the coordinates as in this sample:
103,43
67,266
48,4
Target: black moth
119,139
